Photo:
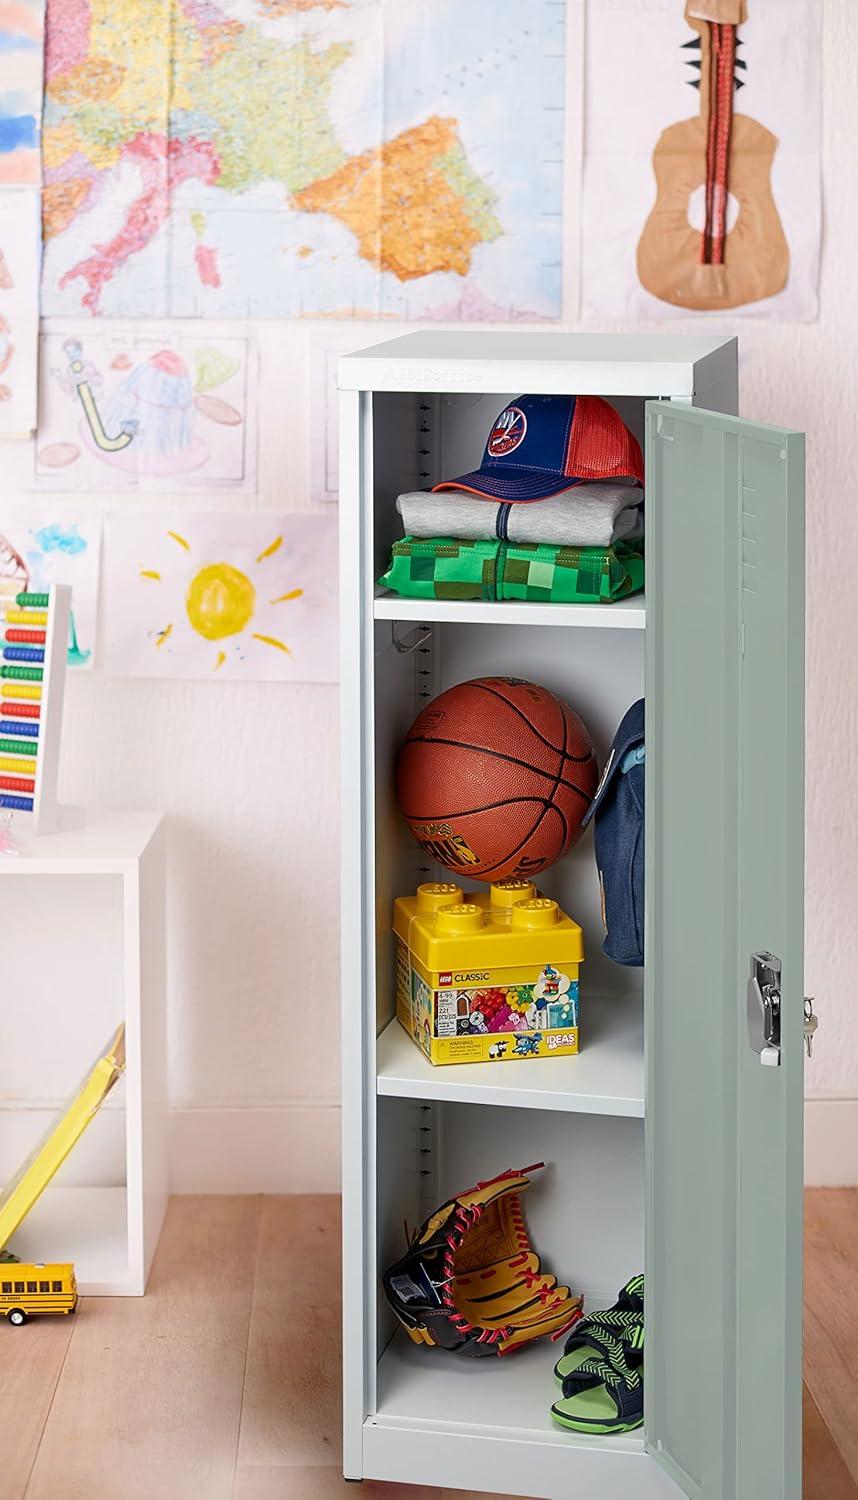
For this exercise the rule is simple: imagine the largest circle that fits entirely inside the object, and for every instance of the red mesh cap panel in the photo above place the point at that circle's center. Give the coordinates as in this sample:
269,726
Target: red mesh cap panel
600,444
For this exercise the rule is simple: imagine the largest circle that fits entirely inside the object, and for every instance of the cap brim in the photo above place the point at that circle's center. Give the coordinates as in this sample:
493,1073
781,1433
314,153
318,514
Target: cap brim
514,484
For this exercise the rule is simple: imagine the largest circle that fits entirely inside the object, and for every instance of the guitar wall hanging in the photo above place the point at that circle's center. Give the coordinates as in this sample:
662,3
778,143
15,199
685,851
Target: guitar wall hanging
728,155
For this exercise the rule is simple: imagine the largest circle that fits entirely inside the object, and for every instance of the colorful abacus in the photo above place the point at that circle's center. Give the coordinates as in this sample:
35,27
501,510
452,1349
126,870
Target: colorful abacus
32,681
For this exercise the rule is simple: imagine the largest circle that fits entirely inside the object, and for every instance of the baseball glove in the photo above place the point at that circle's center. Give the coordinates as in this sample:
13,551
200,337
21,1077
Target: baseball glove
471,1281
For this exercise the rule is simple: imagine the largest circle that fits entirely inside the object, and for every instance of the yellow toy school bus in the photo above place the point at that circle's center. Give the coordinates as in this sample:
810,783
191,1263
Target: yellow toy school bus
26,1290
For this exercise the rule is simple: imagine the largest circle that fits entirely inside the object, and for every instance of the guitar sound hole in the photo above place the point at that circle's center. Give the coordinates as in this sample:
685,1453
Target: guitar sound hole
697,209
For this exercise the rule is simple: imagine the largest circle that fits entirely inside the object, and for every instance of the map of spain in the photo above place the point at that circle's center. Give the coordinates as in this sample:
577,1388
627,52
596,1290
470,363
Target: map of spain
302,157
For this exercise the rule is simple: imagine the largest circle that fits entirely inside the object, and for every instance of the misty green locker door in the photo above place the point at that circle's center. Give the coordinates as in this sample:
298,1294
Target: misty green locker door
724,952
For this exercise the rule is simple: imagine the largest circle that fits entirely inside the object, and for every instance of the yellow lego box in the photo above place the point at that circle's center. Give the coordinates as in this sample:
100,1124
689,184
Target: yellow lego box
488,978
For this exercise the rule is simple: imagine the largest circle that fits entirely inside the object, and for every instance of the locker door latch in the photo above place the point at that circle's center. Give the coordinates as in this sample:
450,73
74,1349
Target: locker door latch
764,1008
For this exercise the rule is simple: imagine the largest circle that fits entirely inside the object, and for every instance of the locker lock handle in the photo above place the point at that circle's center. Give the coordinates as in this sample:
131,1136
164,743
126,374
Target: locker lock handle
764,1008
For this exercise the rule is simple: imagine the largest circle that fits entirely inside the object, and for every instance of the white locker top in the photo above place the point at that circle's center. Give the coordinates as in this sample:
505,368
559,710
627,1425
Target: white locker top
672,366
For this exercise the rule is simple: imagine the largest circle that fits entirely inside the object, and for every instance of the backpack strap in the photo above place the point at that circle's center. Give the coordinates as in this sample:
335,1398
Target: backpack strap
626,751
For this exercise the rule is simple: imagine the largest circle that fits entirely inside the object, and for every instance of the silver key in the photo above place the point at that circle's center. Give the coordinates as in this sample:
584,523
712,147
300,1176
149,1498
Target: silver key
811,1022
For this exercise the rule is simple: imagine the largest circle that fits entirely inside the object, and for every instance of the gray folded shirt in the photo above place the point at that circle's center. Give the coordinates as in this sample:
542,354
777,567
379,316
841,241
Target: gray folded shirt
588,515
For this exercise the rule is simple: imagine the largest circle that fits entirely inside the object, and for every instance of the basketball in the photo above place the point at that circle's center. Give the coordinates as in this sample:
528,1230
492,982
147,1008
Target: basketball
494,777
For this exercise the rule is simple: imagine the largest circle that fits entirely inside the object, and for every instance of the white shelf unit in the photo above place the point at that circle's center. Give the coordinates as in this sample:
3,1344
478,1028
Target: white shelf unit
88,902
415,411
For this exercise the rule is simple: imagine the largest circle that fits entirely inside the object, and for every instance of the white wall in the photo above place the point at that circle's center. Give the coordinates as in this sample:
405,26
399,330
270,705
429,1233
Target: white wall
248,774
808,377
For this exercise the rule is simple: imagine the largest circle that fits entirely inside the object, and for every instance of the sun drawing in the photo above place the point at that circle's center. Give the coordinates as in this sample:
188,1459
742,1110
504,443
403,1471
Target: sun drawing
221,601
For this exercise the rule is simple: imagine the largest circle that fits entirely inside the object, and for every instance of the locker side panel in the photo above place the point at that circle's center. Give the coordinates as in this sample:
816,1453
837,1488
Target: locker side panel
357,920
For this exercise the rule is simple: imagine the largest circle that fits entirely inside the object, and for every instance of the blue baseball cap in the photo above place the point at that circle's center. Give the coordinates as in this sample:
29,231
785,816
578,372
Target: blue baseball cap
540,445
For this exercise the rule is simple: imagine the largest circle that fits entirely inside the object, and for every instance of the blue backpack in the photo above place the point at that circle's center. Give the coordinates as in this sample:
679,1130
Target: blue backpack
618,813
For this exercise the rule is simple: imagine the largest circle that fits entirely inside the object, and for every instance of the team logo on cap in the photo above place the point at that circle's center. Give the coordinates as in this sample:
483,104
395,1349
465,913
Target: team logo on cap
508,432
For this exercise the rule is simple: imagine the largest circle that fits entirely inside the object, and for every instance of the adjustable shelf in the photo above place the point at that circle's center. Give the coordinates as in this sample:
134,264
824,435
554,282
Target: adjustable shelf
626,614
606,1077
427,1408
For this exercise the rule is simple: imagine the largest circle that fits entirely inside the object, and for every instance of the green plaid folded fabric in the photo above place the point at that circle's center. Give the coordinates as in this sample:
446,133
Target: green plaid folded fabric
437,568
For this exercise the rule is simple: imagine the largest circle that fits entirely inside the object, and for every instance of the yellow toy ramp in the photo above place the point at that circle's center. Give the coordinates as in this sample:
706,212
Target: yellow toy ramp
36,1172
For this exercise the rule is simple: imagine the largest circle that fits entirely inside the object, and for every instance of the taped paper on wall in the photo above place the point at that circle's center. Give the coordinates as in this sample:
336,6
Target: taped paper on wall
250,596
155,407
22,31
323,405
702,199
44,543
20,250
327,343
350,160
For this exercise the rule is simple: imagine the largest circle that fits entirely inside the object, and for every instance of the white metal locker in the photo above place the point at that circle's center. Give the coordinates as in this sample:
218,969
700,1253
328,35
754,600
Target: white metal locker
413,411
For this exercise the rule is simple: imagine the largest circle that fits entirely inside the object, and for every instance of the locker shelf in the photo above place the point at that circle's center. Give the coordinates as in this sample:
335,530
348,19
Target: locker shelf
606,1078
513,1393
627,614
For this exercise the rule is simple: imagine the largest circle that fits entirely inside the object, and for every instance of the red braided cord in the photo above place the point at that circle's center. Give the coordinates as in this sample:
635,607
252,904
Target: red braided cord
726,68
706,237
723,52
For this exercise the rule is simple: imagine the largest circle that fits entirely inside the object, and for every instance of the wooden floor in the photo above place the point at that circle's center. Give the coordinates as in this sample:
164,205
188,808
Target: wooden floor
223,1382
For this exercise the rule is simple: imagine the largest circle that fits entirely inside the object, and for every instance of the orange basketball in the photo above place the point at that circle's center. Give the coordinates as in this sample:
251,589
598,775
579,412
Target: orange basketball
495,776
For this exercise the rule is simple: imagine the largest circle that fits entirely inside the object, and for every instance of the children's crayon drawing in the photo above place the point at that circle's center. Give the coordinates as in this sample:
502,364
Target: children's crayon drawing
160,409
701,179
250,596
20,242
44,544
22,27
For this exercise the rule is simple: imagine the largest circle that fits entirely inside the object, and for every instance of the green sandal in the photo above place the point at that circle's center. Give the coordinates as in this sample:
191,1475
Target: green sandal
601,1334
605,1397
